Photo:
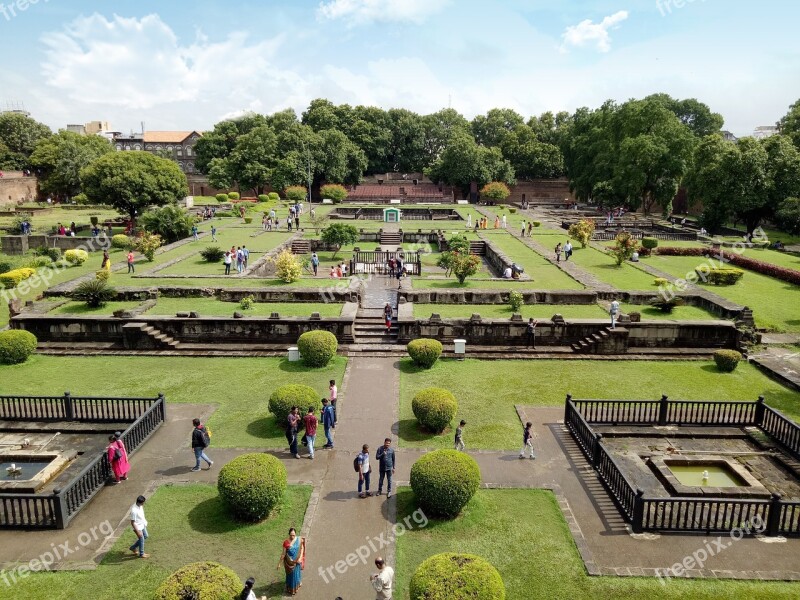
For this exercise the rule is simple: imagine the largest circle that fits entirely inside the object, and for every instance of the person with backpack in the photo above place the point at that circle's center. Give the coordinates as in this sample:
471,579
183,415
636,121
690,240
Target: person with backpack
201,439
118,457
361,465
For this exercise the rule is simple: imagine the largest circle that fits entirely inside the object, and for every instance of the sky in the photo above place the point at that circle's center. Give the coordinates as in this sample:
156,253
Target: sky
188,64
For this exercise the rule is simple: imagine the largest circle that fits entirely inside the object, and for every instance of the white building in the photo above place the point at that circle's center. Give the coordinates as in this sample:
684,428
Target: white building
765,131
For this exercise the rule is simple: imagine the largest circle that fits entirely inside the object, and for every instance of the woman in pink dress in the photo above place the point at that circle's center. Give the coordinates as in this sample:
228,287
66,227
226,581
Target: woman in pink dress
118,457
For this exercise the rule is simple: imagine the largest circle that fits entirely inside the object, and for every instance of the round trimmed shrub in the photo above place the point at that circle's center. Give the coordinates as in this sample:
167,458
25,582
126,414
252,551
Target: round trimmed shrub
121,241
451,576
263,198
424,352
233,195
317,347
660,281
649,243
76,257
434,408
248,220
251,485
206,580
273,196
444,481
16,345
727,360
221,197
293,394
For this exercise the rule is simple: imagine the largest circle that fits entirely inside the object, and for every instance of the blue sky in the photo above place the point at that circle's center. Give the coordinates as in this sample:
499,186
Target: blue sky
187,64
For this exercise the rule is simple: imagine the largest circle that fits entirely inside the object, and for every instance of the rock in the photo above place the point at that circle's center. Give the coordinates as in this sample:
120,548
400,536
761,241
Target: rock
182,314
315,316
238,315
194,315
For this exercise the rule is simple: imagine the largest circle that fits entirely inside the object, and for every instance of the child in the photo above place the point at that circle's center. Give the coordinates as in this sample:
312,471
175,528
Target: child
527,440
460,436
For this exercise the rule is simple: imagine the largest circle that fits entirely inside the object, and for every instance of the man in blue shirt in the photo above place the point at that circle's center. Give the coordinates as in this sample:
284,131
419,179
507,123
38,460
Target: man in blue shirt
386,460
328,422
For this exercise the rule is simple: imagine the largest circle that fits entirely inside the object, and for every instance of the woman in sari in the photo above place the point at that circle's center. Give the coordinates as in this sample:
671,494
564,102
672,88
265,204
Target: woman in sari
118,457
293,560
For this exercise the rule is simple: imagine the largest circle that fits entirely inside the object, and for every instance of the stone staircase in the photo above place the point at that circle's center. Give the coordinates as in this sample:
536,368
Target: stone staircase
369,328
592,343
143,336
391,238
301,246
477,248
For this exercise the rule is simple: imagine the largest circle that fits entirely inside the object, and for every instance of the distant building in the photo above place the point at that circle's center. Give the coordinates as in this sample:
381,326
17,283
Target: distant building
765,131
91,128
175,145
728,136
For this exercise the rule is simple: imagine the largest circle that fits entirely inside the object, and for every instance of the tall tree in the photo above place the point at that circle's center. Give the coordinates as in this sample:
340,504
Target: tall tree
372,132
530,157
19,135
463,162
440,127
790,123
250,164
696,115
407,150
60,158
490,129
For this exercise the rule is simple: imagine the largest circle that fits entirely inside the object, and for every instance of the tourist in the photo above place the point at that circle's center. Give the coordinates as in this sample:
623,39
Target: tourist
333,272
497,222
399,269
459,441
313,213
245,256
292,429
469,220
505,223
272,214
311,431
344,268
703,231
106,263
392,267
339,273
683,222
523,228
530,228
530,333
613,311
201,439
314,262
289,222
567,250
527,441
194,233
386,465
293,561
387,317
73,228
297,220
264,222
139,524
239,260
382,580
227,261
247,593
507,273
558,252
328,422
362,460
118,457
213,233
333,394
131,268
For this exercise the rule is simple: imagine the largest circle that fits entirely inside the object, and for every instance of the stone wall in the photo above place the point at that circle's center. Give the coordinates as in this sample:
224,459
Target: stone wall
20,244
17,189
470,296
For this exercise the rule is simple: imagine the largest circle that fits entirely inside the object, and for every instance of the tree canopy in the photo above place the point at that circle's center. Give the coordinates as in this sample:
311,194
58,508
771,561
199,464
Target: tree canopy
60,158
19,135
789,125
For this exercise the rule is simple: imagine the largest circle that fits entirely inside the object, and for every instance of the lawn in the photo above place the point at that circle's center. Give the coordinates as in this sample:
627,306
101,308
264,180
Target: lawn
488,390
680,313
240,387
80,308
545,275
186,523
502,311
604,267
774,302
209,307
524,535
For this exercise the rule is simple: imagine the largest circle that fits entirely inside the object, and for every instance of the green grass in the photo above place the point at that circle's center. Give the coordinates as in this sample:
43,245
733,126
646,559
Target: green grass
209,307
774,302
488,390
186,524
524,535
240,387
544,274
604,267
502,311
80,308
680,313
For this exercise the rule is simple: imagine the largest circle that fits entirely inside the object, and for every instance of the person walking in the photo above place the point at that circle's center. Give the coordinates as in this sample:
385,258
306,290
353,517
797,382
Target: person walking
558,252
106,262
527,440
328,422
333,394
530,228
567,250
387,317
213,233
523,228
504,222
311,431
314,262
386,465
201,440
530,333
613,312
139,524
194,233
118,457
292,429
400,267
131,268
382,580
245,256
239,260
297,220
362,460
227,261
459,441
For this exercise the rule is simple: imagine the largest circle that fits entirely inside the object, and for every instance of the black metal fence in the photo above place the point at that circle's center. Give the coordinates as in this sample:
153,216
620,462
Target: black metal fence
684,514
56,510
378,262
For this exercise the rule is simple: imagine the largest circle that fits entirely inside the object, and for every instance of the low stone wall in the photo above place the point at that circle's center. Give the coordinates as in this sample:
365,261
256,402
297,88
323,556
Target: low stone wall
497,259
469,296
17,189
20,244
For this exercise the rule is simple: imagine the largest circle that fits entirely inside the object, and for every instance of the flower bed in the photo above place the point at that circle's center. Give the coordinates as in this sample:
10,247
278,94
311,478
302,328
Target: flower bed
758,266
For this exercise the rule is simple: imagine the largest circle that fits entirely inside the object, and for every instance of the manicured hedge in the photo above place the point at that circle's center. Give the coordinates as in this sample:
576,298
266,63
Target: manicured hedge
16,345
221,197
233,195
444,481
317,347
293,394
13,278
719,276
745,262
37,262
727,360
660,281
424,352
434,408
649,243
451,576
206,580
76,257
121,241
251,485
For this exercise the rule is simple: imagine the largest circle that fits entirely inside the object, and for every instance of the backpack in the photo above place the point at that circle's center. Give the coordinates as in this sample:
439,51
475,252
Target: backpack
206,435
355,463
117,454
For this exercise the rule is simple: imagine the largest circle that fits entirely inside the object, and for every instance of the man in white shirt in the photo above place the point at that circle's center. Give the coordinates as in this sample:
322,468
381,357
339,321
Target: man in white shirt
139,524
613,311
508,274
363,472
382,580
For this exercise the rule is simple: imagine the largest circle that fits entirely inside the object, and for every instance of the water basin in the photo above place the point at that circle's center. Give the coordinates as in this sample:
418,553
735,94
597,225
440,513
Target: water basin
28,469
719,475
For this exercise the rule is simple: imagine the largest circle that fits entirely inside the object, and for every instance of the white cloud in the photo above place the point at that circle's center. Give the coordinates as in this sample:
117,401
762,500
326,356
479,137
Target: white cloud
588,33
359,12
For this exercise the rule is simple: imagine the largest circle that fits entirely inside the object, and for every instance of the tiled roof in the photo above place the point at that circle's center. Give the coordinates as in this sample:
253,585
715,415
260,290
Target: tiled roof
168,137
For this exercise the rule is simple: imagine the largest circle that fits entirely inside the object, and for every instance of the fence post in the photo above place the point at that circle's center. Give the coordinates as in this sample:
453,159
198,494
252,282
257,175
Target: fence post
566,408
760,411
597,450
774,516
638,512
662,410
58,510
69,413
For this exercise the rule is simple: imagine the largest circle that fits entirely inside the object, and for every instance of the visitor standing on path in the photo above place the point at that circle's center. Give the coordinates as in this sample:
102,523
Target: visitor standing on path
386,465
194,233
106,262
293,561
504,223
245,256
527,440
239,260
139,524
213,233
314,262
201,439
118,457
387,316
523,228
334,391
459,441
613,312
530,333
311,431
227,261
399,271
558,252
292,429
328,422
382,580
131,268
530,228
362,460
567,250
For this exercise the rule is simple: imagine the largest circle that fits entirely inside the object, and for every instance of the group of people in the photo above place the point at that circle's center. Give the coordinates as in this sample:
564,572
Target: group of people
527,228
238,254
566,249
615,214
208,213
395,269
337,271
270,220
60,229
296,423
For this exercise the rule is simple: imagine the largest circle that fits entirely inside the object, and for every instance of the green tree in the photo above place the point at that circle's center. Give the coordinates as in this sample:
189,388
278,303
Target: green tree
530,157
296,193
334,191
439,128
787,216
221,141
132,181
407,149
170,222
492,128
790,123
624,247
338,235
372,132
60,158
694,114
496,191
464,265
464,161
19,135
252,159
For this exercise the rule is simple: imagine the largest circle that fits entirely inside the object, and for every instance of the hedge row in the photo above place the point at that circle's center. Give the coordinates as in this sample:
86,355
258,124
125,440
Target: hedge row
13,278
757,266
